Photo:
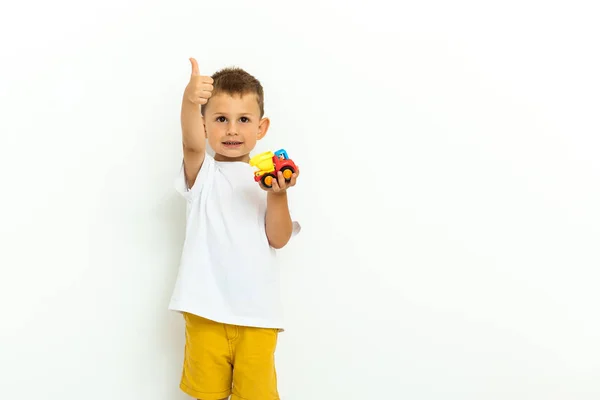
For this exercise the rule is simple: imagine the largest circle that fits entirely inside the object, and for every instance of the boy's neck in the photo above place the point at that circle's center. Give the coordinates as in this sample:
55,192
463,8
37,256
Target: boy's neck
245,158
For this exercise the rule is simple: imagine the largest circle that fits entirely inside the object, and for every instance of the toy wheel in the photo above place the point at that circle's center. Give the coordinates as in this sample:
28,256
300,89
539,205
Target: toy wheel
287,173
267,180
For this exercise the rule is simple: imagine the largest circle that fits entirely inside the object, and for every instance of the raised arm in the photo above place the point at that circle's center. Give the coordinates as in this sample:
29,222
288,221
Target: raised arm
196,93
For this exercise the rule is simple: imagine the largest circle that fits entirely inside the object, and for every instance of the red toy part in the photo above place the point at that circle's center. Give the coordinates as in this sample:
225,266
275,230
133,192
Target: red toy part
285,165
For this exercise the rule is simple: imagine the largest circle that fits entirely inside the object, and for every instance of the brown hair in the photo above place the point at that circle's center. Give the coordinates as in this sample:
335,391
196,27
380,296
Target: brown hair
236,81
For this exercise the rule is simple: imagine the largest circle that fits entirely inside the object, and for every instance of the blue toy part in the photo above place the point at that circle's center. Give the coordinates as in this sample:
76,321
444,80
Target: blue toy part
280,153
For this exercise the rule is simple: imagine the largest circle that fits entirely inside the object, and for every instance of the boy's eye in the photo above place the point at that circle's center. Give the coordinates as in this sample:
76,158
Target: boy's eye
221,119
244,119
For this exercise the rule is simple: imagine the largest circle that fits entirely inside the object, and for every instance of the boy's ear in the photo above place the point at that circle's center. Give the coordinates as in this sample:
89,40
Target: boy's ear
263,127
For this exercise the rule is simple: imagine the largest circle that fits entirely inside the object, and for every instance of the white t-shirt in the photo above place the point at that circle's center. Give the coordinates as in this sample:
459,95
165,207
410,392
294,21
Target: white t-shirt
228,271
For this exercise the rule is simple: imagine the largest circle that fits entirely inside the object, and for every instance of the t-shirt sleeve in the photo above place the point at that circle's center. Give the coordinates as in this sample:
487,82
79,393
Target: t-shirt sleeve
206,171
296,227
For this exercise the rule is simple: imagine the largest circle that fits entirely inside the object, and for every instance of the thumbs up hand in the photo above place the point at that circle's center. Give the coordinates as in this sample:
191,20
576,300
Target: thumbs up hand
200,87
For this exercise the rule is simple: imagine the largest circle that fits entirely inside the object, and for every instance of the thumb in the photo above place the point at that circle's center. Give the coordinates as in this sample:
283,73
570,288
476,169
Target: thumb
195,69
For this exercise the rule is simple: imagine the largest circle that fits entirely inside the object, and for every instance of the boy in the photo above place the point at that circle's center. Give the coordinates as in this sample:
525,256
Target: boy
228,283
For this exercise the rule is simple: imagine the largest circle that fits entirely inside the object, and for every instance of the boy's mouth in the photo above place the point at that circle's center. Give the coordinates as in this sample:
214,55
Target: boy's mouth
232,143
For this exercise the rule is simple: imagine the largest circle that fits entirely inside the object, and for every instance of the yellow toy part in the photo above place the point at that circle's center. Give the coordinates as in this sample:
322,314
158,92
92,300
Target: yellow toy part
264,163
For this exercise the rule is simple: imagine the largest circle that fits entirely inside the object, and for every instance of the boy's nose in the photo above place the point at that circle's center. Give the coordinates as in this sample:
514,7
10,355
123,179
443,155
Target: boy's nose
232,129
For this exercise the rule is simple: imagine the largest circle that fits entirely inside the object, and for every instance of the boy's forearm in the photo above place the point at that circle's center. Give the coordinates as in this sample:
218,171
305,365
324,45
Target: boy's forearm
192,127
278,220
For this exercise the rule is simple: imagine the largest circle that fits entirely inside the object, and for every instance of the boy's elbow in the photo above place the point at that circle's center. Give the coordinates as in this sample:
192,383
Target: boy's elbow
278,244
279,241
279,234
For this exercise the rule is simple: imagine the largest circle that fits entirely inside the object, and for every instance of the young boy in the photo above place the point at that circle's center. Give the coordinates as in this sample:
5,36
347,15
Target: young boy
228,282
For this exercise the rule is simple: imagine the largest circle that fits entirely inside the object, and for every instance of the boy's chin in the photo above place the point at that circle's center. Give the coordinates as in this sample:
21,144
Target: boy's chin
238,154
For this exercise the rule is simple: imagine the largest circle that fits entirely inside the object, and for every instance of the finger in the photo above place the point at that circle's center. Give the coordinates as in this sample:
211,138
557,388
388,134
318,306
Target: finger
207,87
281,179
204,94
295,176
195,69
275,186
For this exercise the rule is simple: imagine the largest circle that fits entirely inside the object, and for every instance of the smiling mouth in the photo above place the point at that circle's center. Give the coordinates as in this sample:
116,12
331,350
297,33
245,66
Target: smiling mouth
232,143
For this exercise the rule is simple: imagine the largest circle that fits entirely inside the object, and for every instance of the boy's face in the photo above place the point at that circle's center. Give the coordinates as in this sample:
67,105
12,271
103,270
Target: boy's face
233,125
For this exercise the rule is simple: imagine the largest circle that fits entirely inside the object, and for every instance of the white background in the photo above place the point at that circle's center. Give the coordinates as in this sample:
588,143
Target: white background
449,195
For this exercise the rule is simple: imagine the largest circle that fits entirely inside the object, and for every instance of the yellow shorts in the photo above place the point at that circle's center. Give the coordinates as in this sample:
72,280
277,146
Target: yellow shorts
222,360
